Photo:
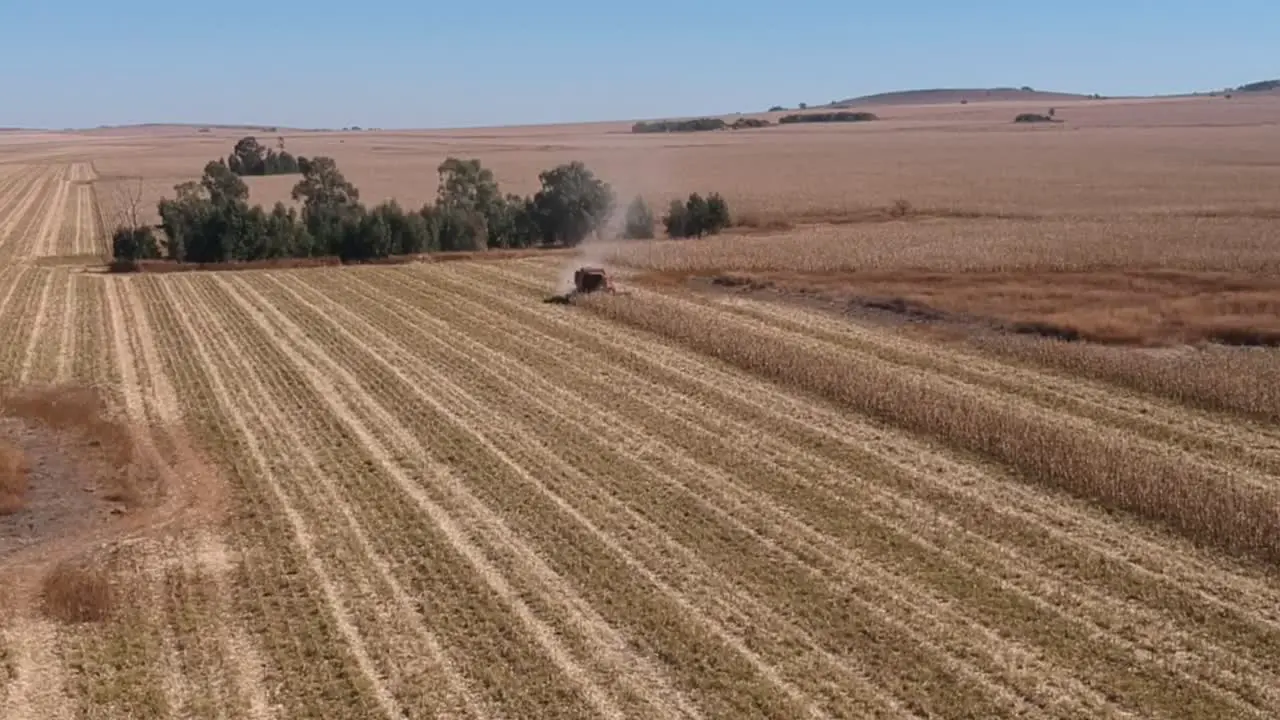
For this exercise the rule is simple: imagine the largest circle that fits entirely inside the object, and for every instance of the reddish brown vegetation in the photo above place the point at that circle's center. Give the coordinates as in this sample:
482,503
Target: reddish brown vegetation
74,592
1126,307
82,413
13,478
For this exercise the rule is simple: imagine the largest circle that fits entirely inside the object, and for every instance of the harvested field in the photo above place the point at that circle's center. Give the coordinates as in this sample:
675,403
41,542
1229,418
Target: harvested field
417,490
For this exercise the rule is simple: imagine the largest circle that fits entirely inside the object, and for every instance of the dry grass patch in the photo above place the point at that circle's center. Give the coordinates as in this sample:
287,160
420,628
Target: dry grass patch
1103,467
82,413
75,591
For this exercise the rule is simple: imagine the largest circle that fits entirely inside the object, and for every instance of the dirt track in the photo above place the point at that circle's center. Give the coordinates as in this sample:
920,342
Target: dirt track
446,498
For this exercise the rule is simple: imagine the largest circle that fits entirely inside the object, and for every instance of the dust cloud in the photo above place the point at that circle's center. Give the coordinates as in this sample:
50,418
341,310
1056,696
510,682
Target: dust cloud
640,171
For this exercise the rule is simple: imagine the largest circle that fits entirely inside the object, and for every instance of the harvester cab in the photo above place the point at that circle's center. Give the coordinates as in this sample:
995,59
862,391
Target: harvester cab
586,280
591,279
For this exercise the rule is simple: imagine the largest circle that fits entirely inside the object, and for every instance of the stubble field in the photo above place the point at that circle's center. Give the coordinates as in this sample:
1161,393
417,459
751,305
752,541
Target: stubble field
419,491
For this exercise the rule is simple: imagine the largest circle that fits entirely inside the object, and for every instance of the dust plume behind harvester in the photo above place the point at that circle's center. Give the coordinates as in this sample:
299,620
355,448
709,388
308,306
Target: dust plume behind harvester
586,280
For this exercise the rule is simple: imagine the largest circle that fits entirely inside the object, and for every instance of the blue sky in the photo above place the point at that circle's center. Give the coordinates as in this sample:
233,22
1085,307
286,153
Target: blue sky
397,63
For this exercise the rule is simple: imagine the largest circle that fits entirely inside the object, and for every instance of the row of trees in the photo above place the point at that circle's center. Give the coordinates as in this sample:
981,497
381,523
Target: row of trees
211,220
249,157
825,117
708,123
695,217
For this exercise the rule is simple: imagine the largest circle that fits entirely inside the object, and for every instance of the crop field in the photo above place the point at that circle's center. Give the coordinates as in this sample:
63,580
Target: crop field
422,491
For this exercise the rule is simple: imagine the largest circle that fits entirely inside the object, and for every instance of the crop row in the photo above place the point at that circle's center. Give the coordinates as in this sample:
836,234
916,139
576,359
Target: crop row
676,489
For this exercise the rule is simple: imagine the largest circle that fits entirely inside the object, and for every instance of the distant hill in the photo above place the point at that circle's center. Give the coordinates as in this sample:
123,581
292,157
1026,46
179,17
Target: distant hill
1261,86
955,95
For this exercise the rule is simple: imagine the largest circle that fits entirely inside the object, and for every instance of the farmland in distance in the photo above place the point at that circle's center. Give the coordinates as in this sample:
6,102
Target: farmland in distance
420,491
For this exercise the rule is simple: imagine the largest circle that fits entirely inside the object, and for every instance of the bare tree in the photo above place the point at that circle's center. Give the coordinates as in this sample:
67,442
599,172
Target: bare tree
127,205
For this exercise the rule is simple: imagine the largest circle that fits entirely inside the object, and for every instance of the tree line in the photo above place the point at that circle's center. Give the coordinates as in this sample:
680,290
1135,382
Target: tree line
825,117
249,157
211,220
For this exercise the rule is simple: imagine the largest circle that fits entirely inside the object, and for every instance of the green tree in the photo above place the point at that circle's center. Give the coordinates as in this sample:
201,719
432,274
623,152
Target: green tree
697,215
639,220
330,204
718,217
572,204
676,220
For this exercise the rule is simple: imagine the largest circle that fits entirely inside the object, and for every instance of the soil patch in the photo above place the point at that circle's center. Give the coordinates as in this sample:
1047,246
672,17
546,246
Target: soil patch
93,483
64,493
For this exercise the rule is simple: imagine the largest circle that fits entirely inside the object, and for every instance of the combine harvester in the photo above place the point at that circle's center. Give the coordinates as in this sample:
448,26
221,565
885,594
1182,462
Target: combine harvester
587,280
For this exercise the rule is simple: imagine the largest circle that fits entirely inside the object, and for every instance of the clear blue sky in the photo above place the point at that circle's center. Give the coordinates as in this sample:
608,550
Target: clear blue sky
400,63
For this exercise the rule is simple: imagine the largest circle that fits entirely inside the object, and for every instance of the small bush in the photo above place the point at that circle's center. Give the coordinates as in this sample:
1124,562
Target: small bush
75,593
748,123
639,221
697,216
132,244
1033,118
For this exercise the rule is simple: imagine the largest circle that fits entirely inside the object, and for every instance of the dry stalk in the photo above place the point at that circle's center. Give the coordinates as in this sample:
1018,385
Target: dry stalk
1106,468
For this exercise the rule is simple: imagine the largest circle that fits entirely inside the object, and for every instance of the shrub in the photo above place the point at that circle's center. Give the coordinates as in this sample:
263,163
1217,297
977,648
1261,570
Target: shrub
639,221
697,216
841,116
1033,118
694,125
131,244
76,593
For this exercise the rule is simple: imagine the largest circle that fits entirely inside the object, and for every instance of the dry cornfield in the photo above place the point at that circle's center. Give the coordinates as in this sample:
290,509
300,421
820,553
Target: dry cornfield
420,491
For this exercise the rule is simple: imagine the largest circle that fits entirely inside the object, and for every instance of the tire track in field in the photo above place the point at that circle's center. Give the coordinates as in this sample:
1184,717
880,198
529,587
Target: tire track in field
456,399
484,285
17,323
458,698
14,223
45,243
190,572
67,340
578,402
56,283
37,689
305,355
10,195
132,367
273,594
302,535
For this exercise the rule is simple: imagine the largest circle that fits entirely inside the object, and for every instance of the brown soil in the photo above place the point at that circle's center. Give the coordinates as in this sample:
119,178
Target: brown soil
1135,307
92,481
64,493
